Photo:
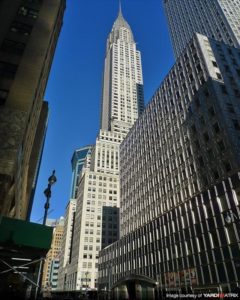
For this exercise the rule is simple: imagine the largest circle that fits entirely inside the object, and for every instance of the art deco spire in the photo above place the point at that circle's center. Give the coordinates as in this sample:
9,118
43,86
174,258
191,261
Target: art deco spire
120,21
120,8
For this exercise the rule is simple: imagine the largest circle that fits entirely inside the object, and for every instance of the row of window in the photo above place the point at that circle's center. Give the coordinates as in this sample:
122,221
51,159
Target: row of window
204,243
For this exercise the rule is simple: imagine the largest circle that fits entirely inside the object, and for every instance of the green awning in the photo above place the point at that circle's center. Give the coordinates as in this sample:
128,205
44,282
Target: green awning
23,245
19,233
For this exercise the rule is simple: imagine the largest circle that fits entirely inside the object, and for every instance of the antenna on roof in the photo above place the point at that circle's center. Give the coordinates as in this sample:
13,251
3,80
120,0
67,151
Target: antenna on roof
120,7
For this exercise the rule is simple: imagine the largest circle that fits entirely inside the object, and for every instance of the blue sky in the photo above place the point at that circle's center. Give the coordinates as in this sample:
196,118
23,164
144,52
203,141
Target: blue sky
74,86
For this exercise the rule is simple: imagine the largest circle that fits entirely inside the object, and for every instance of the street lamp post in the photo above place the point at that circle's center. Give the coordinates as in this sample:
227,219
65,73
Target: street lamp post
47,192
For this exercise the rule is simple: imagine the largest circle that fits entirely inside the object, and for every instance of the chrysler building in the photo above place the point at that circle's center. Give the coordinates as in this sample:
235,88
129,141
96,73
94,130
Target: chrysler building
96,222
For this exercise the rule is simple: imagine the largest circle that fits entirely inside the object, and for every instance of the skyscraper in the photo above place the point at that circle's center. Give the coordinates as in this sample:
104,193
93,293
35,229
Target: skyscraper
179,168
217,19
180,181
80,160
122,99
29,32
97,210
66,247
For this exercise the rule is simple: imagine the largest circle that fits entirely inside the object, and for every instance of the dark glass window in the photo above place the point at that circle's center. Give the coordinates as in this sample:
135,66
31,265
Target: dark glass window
230,271
213,273
216,127
215,238
235,251
211,111
201,162
7,69
210,154
28,12
206,92
221,273
12,47
3,96
215,174
226,252
221,146
21,28
227,166
236,124
222,236
218,254
206,274
224,90
230,107
206,136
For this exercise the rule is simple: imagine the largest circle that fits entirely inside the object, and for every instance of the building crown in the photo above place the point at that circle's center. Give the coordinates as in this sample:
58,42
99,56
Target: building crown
120,21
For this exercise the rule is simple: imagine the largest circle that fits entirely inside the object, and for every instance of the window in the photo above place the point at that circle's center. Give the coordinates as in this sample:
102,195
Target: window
215,174
221,145
216,127
12,47
224,90
21,28
28,12
7,69
211,111
3,96
214,64
206,137
219,76
227,166
236,124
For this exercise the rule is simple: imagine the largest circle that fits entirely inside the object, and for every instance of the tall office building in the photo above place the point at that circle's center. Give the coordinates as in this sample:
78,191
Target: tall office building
217,19
51,264
122,99
80,160
29,32
179,167
65,255
180,182
96,222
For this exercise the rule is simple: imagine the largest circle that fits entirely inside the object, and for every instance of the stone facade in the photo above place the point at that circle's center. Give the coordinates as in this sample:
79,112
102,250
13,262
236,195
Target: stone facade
217,19
28,37
179,164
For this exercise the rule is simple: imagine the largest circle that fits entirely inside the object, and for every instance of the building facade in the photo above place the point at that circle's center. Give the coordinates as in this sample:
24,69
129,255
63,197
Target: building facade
51,264
97,209
199,254
29,32
217,19
179,212
66,247
80,160
122,99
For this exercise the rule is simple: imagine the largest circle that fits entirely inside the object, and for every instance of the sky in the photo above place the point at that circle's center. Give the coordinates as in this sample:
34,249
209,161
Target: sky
75,83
